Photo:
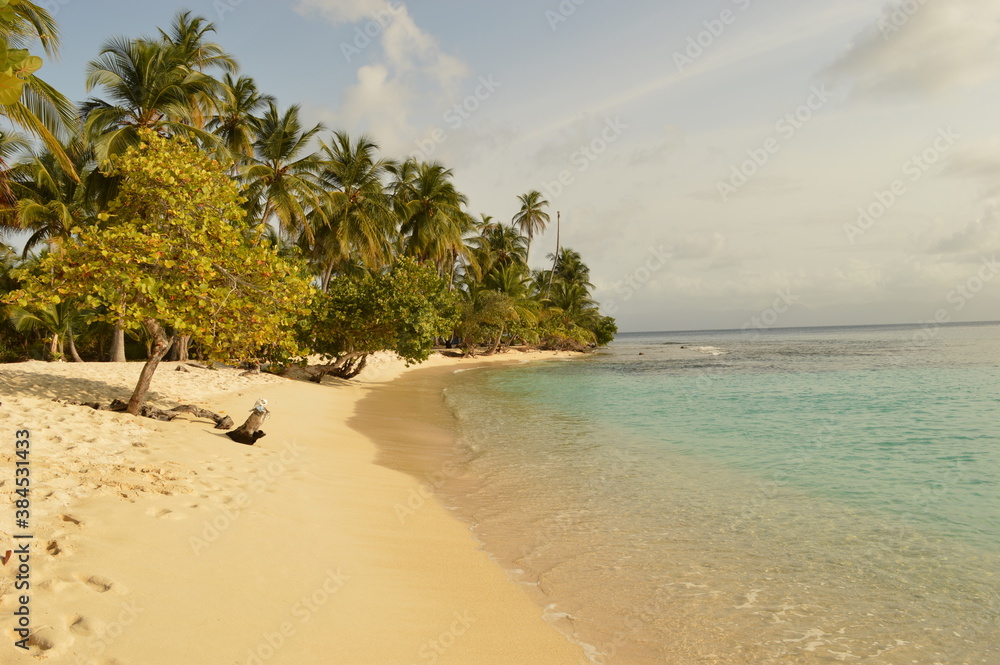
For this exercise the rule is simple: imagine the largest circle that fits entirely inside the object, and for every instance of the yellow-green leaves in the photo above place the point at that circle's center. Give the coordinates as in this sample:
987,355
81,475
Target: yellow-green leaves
169,250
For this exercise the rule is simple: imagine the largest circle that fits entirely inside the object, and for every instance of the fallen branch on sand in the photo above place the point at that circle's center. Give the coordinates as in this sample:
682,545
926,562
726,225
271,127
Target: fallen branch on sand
146,411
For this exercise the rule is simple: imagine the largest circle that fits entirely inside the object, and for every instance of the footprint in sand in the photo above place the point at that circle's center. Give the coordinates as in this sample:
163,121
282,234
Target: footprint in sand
49,641
53,548
165,514
81,626
71,520
98,583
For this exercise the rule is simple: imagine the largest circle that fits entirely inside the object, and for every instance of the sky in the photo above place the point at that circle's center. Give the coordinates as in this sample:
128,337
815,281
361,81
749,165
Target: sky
718,164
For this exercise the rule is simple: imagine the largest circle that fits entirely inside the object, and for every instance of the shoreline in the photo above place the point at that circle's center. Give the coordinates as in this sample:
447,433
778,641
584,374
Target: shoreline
417,434
166,542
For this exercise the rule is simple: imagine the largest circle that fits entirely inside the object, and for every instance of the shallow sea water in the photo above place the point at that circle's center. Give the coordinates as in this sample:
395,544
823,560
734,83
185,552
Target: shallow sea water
791,496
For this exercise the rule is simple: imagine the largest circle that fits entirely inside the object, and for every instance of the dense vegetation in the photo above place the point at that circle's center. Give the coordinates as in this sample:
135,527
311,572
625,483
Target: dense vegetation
180,208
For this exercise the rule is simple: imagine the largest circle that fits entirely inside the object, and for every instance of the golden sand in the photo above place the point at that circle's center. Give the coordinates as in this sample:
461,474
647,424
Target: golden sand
168,543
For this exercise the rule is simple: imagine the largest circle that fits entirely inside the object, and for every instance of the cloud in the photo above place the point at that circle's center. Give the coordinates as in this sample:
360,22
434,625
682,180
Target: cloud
923,47
407,66
978,236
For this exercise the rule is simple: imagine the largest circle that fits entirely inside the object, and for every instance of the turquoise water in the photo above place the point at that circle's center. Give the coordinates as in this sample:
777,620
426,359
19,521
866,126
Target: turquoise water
791,496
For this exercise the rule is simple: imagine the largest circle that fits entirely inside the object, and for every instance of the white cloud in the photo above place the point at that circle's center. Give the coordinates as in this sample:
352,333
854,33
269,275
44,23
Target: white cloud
408,67
940,45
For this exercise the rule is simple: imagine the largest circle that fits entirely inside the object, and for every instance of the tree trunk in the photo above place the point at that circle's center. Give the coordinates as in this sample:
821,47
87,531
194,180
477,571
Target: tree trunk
555,261
72,347
181,348
249,431
118,345
54,348
496,345
161,346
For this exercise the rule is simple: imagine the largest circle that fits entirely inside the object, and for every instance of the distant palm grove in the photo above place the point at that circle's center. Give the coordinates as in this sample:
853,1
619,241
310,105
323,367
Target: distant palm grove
181,210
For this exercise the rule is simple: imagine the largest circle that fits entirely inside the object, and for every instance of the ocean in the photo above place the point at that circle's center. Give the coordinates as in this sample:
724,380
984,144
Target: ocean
799,496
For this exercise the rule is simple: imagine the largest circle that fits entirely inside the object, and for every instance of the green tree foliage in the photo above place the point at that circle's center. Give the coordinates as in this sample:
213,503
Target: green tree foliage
404,310
173,257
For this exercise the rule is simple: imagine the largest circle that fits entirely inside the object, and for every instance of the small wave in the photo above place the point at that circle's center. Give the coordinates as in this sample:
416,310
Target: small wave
466,369
710,350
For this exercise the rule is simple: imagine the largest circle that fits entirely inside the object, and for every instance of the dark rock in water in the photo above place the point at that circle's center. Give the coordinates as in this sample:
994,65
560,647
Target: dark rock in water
642,354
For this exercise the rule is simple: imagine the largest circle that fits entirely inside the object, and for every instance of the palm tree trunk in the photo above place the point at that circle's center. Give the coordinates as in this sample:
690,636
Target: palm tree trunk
54,347
118,345
555,260
72,347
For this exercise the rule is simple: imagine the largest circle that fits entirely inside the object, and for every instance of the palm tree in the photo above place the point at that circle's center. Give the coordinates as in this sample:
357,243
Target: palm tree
33,105
531,218
359,216
282,178
58,319
50,201
188,33
497,246
188,37
434,224
236,121
570,268
149,86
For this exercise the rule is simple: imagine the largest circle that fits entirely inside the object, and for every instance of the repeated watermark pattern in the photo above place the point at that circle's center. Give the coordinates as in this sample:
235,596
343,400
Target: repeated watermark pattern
699,44
562,13
913,169
584,157
257,484
455,117
895,20
629,285
784,130
365,35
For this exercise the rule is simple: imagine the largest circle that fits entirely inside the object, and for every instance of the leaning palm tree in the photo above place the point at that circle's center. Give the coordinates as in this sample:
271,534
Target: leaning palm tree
146,85
531,218
283,177
359,217
28,102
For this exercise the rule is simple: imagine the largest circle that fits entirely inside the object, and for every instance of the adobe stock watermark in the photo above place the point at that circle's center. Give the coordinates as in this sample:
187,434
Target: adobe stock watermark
420,495
958,297
785,129
768,318
53,6
432,650
366,34
302,612
585,156
106,635
456,116
700,43
629,285
913,169
230,512
562,12
223,7
899,15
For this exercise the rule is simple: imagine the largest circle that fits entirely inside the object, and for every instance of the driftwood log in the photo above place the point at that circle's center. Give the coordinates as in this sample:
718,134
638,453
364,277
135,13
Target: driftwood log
249,432
146,411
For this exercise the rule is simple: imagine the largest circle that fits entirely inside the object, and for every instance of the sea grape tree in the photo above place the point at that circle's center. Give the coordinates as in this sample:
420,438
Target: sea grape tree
171,256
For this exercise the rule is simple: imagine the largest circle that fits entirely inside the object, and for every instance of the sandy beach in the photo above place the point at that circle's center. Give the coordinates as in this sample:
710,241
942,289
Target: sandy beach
168,543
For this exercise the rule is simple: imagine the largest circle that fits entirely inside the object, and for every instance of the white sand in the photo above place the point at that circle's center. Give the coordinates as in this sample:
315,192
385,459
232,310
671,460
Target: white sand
168,543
